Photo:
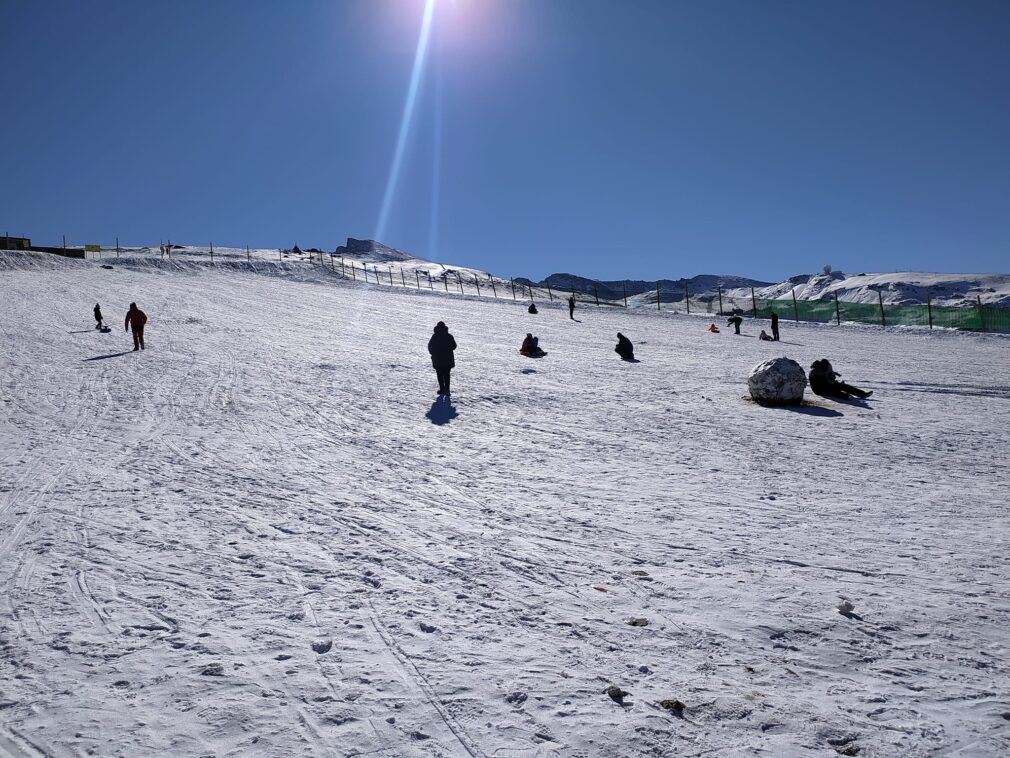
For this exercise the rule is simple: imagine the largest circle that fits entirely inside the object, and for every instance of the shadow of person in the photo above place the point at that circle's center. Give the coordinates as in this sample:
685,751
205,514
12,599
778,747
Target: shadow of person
110,355
811,410
631,360
442,411
854,401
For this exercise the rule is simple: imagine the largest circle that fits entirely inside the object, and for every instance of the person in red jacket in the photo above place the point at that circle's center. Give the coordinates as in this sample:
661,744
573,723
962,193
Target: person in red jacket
136,318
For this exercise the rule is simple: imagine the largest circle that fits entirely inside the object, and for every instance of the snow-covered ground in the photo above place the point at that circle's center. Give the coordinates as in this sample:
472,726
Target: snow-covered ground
264,535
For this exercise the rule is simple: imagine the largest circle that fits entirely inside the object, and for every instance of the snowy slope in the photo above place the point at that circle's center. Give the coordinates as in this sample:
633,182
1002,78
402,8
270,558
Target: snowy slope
264,535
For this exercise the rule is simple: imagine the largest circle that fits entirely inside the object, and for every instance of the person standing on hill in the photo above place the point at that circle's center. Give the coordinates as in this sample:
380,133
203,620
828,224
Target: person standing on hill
775,326
571,307
135,319
98,316
441,347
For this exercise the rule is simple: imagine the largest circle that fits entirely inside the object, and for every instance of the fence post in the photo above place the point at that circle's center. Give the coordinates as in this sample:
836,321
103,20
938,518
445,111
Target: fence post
493,289
754,302
280,255
354,276
657,297
981,311
459,281
549,293
513,282
445,280
929,310
687,299
796,308
720,299
880,299
431,286
477,282
403,281
211,252
838,313
597,296
625,295
117,247
248,255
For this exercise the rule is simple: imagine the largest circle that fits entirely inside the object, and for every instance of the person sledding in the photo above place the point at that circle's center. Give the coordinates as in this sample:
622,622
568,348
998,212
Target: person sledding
824,382
531,347
713,328
624,348
764,336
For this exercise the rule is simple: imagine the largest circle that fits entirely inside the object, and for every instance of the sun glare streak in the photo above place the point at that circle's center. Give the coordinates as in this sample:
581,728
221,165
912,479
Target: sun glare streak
436,162
408,115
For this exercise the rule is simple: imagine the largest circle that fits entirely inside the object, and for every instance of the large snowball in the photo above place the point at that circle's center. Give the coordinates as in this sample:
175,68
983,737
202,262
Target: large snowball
778,381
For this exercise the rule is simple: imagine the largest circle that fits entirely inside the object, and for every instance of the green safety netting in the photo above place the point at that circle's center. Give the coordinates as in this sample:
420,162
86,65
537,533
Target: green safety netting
937,316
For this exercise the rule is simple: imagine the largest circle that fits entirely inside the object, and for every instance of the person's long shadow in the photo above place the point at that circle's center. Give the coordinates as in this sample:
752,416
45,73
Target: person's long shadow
110,355
442,411
83,331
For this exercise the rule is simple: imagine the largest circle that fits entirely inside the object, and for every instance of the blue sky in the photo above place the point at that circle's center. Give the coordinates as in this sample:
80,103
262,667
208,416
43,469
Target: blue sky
611,139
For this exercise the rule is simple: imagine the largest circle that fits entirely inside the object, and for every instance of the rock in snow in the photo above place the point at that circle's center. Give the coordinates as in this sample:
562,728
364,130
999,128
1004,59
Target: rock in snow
777,381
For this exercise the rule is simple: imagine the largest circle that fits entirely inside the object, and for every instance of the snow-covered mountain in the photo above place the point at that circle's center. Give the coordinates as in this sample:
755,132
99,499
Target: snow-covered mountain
899,288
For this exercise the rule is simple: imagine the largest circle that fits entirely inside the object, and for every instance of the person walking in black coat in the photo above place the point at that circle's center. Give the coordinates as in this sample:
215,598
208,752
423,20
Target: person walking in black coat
98,316
775,326
571,307
824,382
440,347
624,348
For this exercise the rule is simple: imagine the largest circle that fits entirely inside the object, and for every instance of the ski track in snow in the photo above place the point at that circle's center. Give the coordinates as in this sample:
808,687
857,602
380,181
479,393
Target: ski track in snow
251,539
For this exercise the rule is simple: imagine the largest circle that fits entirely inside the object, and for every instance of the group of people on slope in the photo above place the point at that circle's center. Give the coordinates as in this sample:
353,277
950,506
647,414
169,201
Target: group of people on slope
135,319
735,321
442,346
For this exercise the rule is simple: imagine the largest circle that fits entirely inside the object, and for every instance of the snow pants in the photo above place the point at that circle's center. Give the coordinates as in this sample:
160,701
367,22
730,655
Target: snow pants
443,380
138,339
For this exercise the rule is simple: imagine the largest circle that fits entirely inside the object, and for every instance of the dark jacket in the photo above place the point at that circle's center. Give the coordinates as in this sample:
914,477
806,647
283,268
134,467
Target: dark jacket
98,313
532,308
624,347
440,346
823,379
135,318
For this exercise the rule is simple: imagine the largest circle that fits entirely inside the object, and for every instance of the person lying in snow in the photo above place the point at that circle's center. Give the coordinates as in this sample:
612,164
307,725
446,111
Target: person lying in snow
624,348
713,328
824,382
531,346
764,336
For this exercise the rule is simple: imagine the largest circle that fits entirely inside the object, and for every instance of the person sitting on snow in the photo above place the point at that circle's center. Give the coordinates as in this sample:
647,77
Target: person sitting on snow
713,328
824,382
531,346
764,336
624,348
532,308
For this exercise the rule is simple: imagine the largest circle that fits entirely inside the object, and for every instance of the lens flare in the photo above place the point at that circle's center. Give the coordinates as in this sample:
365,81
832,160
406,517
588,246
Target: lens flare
420,55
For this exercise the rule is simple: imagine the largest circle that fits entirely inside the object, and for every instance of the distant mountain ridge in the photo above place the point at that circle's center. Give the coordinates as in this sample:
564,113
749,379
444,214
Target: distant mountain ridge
899,288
